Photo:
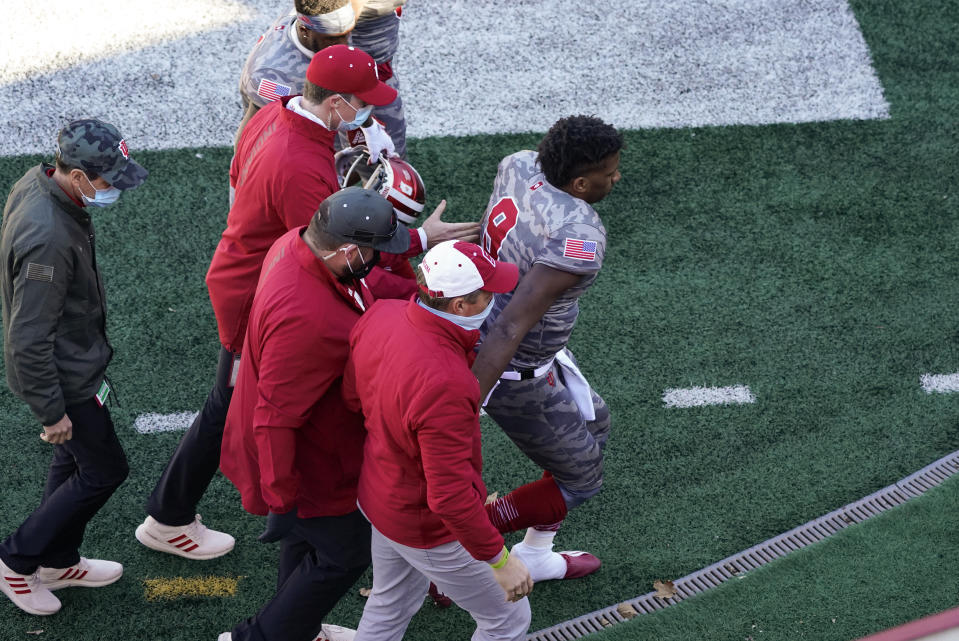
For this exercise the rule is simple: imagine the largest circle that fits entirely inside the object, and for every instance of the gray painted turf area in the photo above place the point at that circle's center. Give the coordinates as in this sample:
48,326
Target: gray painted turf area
169,79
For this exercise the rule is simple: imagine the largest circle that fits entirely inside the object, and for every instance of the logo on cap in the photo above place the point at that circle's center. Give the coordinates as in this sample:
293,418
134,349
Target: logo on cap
123,149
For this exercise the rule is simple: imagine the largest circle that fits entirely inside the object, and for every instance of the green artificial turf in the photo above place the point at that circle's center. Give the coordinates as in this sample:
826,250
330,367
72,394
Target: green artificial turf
894,568
813,262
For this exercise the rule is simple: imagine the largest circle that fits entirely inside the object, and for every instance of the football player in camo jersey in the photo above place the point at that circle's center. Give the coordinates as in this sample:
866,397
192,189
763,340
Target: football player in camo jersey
540,217
277,64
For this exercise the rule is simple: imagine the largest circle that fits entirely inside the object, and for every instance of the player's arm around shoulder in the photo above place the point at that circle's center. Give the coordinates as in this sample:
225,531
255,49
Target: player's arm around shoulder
534,294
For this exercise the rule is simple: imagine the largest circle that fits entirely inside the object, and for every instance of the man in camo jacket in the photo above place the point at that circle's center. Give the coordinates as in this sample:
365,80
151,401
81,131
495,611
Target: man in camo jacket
56,352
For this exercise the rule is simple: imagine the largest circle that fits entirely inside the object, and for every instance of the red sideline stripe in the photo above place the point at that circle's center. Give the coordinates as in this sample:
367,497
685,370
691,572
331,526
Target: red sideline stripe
82,574
176,538
66,574
191,548
21,591
187,542
19,585
918,629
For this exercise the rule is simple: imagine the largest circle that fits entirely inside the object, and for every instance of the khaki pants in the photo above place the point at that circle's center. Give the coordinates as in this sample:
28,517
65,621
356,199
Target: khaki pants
401,576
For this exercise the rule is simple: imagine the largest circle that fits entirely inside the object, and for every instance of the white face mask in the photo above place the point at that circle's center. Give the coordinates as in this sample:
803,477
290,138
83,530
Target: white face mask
466,322
101,197
362,115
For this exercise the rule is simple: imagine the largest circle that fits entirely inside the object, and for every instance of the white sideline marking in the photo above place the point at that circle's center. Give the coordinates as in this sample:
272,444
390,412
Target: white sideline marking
151,423
697,396
668,63
942,383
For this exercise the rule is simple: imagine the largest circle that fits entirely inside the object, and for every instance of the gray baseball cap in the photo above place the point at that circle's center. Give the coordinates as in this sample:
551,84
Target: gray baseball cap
98,147
362,216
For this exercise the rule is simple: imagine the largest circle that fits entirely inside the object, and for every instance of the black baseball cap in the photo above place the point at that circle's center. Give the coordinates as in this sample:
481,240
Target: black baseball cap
361,216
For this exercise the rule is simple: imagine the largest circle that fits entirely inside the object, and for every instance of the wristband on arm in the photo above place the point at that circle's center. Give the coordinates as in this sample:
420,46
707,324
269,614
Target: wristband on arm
504,555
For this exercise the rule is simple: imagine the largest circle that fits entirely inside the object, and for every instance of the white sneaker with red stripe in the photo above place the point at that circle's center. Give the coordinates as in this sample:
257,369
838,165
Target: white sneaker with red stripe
27,592
88,573
193,541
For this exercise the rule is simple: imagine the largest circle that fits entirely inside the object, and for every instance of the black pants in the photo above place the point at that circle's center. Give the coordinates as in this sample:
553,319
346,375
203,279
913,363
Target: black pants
84,473
197,457
319,562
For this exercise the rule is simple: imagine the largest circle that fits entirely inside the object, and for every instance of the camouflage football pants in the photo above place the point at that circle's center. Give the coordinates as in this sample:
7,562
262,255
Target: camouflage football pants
540,416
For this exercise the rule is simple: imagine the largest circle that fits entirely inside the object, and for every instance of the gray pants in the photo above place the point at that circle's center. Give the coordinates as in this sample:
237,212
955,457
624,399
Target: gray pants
540,416
401,576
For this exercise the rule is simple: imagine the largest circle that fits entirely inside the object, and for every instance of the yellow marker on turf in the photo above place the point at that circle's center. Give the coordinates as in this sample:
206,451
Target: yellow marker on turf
184,588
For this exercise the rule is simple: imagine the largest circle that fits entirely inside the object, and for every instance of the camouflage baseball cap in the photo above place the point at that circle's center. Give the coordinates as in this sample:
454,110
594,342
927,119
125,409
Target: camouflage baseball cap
360,216
98,147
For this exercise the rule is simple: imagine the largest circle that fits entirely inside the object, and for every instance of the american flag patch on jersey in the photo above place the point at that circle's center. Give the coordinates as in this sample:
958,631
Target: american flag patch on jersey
581,249
272,90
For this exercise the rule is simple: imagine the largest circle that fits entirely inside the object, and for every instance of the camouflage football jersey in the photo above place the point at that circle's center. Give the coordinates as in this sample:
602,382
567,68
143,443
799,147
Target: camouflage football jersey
276,66
529,221
380,37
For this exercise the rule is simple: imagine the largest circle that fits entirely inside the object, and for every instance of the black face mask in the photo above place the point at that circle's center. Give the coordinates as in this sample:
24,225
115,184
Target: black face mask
362,271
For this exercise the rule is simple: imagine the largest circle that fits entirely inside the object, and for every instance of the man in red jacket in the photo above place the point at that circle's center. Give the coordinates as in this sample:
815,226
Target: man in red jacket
421,482
291,445
283,169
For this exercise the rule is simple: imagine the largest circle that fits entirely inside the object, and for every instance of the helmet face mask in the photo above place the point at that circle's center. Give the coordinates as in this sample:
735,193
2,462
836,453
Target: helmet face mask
393,178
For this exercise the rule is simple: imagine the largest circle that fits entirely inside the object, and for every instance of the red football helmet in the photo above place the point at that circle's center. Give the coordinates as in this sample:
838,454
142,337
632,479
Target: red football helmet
393,178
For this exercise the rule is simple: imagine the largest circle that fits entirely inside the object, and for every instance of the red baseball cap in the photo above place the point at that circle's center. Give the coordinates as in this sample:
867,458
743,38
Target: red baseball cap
456,268
346,69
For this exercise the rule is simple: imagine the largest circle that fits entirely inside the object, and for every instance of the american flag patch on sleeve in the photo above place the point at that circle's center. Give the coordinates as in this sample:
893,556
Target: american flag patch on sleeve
272,90
581,249
43,273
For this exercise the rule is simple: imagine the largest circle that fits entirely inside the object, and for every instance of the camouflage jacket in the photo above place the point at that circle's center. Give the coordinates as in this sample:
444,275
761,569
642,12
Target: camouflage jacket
54,313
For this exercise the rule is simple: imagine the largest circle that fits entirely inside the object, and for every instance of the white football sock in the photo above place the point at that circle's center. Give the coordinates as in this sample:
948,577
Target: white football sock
536,552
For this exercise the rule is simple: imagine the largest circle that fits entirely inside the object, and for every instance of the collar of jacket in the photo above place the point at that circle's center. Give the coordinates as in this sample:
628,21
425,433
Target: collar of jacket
304,126
428,321
315,266
66,203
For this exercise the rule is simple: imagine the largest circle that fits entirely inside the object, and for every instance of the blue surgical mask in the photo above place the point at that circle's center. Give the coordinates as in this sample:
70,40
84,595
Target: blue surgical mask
362,115
101,197
466,322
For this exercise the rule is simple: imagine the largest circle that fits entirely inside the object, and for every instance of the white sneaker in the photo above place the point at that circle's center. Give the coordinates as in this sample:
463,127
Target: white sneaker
335,633
88,573
27,592
193,541
328,633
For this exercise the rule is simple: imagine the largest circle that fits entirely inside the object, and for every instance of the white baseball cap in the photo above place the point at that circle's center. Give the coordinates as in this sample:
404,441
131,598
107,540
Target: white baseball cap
456,268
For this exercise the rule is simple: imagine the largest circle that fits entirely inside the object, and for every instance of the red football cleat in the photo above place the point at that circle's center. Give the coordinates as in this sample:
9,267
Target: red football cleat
440,600
579,564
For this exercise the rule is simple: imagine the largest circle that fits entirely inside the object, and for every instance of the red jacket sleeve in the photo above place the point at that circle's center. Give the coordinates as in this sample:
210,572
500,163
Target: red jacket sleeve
296,370
446,436
416,246
387,284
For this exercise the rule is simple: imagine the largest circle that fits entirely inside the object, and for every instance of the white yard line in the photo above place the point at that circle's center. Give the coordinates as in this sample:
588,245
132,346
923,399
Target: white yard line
941,383
152,423
170,80
699,396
